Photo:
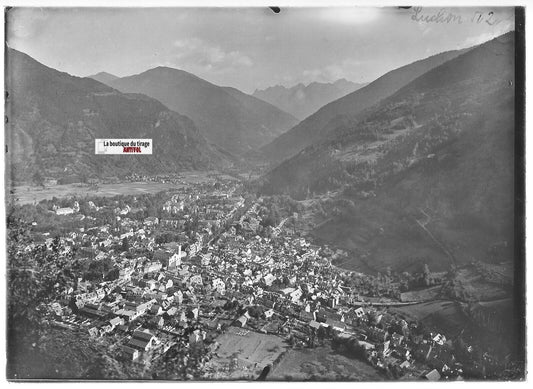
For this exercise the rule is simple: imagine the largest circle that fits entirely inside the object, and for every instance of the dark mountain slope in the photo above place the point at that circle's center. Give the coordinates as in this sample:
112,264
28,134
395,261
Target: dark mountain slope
424,176
301,100
54,119
317,125
227,117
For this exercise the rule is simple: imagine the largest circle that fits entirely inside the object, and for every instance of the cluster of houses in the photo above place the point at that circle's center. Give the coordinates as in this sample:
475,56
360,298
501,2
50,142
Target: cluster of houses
184,293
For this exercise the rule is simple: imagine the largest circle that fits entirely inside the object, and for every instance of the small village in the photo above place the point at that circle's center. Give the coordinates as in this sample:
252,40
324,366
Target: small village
210,265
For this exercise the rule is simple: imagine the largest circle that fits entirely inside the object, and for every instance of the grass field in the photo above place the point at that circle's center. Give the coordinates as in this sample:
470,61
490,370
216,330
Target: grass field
29,195
322,363
251,350
443,315
422,295
26,194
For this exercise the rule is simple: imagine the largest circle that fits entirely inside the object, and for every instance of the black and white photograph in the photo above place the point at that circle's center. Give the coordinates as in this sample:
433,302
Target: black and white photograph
265,193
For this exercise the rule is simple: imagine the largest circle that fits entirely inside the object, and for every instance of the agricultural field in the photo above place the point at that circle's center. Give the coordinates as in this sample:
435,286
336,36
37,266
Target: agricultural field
443,315
322,363
243,354
487,283
422,294
31,194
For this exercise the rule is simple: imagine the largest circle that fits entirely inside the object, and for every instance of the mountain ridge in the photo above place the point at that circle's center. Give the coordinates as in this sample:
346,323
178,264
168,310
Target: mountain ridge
302,100
51,131
233,121
312,128
424,175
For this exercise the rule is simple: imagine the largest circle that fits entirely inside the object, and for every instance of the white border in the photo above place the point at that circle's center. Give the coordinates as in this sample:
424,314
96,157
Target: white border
262,3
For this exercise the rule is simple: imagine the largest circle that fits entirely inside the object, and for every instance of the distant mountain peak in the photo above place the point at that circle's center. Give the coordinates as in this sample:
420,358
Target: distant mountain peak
313,127
227,117
103,77
302,100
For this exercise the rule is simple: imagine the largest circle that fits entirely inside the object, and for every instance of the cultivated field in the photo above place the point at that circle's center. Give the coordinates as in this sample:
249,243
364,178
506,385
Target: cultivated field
422,294
26,194
243,353
29,195
322,363
443,315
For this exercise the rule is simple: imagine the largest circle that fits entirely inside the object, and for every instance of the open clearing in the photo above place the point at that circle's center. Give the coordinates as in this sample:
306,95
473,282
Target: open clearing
422,295
29,195
322,363
251,350
443,315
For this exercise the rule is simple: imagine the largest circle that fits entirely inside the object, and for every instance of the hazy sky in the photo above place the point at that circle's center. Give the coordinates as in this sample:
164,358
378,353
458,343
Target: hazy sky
247,48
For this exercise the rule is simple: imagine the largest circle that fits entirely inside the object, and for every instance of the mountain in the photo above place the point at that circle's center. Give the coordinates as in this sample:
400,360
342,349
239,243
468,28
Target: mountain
301,101
424,176
326,118
227,117
103,77
54,118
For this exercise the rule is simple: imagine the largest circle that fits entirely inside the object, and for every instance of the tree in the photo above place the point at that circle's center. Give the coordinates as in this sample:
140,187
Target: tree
36,277
426,274
125,244
38,178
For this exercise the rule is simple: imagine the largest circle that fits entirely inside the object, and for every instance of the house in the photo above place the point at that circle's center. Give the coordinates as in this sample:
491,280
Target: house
196,280
193,313
433,375
377,334
172,311
219,285
151,221
320,315
106,329
64,211
366,345
396,340
141,340
269,279
268,313
175,259
196,336
92,313
206,259
152,267
156,309
241,321
439,339
139,344
402,353
384,349
130,353
179,296
158,321
151,284
296,295
116,321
